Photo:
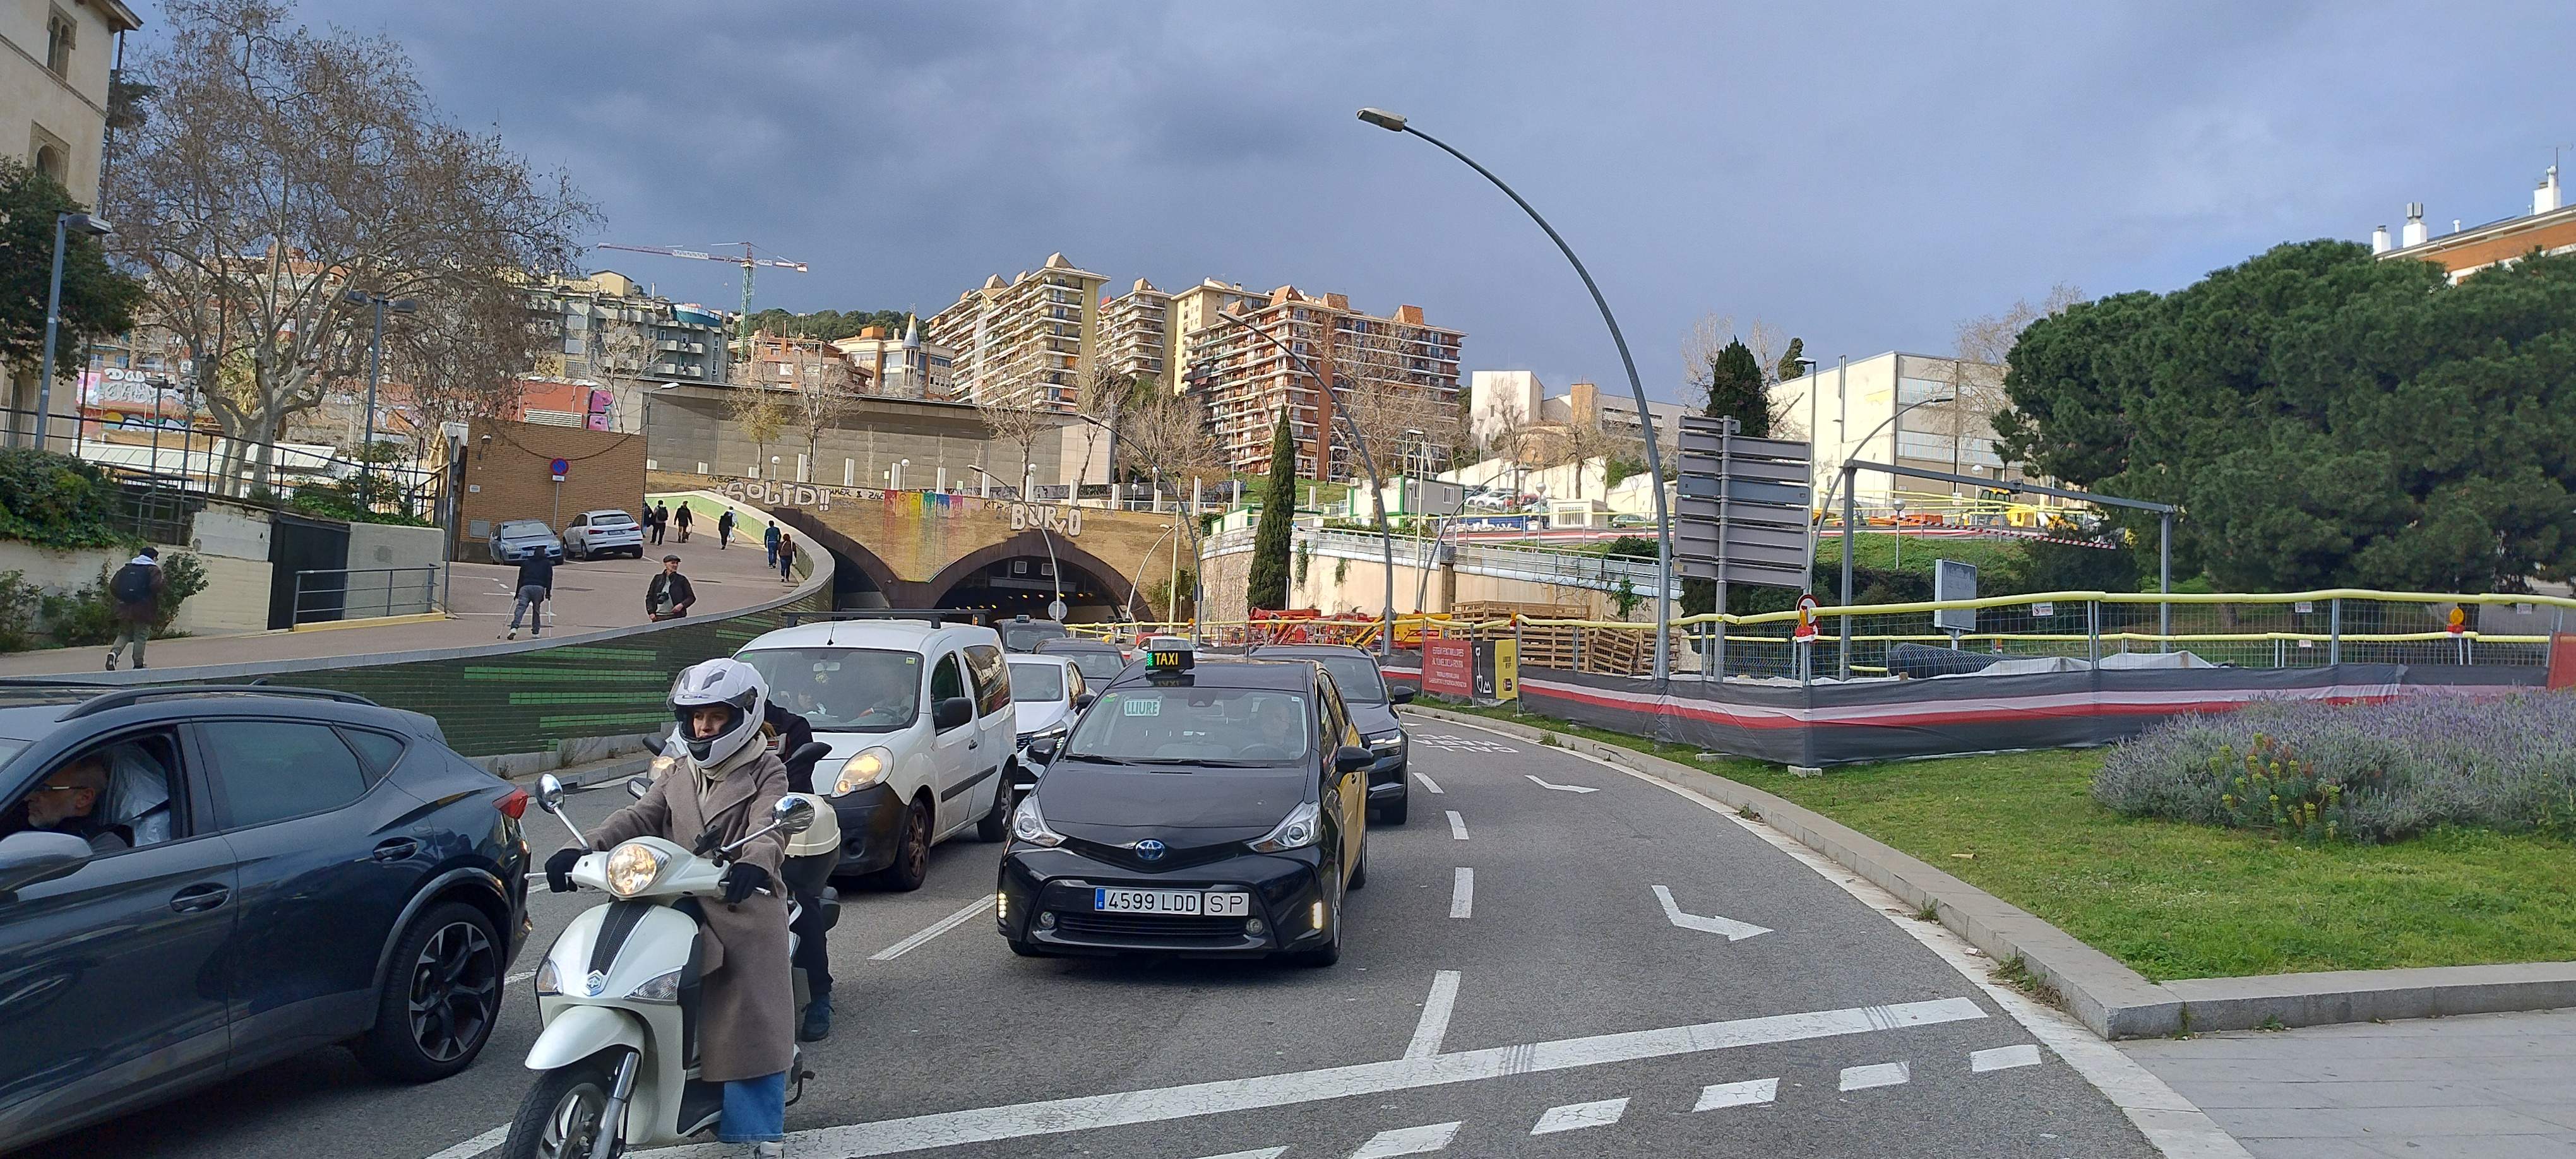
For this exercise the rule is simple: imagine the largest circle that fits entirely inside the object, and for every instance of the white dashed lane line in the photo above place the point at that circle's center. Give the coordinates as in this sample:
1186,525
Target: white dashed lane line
1877,1074
1743,1094
1428,783
1436,1009
1577,1116
2003,1058
937,928
1462,894
1408,1141
1457,826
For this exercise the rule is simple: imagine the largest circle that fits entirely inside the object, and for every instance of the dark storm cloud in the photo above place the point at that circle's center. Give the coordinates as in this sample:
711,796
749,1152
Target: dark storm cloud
1864,176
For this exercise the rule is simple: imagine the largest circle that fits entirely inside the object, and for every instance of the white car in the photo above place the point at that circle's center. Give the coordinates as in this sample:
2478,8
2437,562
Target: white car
918,716
1047,693
593,534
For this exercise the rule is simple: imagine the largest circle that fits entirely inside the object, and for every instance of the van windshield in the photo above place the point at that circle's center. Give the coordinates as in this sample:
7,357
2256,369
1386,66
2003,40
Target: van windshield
843,689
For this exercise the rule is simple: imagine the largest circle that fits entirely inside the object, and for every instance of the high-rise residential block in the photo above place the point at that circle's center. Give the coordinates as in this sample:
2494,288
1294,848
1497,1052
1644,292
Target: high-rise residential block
1030,341
1136,335
609,327
1398,375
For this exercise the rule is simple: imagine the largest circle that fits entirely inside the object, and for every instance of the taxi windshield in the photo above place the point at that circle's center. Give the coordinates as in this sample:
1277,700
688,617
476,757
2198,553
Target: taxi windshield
843,689
1217,727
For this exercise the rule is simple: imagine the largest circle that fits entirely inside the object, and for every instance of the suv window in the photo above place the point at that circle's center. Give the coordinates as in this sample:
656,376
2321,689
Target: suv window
139,798
270,770
992,679
377,750
946,681
581,520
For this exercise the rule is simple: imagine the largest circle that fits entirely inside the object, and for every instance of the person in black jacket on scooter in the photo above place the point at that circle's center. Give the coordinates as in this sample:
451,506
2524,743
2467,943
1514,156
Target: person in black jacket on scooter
789,731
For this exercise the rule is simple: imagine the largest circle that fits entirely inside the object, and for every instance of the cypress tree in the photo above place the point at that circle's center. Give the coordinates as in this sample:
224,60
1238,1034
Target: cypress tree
1735,388
1268,587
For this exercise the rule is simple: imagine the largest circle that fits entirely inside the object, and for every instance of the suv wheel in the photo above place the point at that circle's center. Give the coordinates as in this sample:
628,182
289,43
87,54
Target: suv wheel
442,993
911,853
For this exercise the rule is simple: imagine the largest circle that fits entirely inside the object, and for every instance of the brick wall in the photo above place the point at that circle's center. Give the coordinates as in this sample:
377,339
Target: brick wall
506,477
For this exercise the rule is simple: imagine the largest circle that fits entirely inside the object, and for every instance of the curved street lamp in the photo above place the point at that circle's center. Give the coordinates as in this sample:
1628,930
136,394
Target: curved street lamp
1395,123
1850,538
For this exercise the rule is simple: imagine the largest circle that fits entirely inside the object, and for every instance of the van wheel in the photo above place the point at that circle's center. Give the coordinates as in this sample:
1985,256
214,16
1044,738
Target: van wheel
996,825
441,996
911,854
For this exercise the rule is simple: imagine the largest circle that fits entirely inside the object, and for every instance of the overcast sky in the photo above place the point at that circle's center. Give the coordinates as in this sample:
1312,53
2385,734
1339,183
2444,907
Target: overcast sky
1863,178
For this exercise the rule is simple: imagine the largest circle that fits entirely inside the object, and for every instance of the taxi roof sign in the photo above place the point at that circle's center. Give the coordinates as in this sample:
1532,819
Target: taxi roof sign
1170,654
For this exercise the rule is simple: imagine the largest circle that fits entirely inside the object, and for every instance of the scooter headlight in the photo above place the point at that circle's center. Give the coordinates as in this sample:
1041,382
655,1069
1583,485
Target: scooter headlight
665,989
548,982
867,768
632,868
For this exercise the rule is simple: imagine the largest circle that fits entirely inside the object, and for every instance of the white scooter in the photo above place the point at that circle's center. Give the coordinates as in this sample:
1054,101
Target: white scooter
618,994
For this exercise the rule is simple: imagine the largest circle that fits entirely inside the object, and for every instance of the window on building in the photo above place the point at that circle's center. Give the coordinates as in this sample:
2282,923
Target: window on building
61,37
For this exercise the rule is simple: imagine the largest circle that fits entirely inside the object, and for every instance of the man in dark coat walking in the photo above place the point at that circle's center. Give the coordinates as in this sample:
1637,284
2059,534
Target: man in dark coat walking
137,589
669,595
536,586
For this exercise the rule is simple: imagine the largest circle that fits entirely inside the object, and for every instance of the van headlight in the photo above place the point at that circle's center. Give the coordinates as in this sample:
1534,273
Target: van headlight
1029,825
664,990
869,767
632,868
1299,830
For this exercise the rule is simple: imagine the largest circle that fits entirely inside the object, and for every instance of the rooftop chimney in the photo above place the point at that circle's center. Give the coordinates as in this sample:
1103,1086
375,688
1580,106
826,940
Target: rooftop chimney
2414,233
2545,199
2379,240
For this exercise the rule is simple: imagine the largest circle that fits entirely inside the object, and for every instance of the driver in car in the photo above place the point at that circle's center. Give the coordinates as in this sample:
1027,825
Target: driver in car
720,793
65,801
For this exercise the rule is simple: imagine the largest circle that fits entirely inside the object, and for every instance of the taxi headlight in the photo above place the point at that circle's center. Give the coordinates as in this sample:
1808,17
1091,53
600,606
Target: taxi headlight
1303,824
549,982
869,767
665,989
632,868
1029,825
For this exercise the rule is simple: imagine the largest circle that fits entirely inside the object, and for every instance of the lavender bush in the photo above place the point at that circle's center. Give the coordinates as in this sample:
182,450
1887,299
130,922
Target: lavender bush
2368,772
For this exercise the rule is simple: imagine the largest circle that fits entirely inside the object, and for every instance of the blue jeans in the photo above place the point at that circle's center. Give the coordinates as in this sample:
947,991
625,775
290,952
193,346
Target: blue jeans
755,1110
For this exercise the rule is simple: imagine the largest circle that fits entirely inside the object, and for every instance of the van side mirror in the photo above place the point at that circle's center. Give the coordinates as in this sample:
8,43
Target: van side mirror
1084,701
952,712
1352,758
35,856
1401,694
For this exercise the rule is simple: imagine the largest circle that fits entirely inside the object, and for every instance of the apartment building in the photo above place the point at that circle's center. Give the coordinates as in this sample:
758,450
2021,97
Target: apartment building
1195,309
2550,228
608,326
1029,341
786,362
1137,339
905,367
54,85
1246,383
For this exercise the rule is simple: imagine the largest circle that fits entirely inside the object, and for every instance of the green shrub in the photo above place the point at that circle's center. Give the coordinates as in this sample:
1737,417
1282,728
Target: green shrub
55,500
348,502
20,602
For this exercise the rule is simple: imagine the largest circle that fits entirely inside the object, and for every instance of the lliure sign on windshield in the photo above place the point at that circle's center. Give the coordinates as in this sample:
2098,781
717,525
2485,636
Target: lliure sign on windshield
1062,520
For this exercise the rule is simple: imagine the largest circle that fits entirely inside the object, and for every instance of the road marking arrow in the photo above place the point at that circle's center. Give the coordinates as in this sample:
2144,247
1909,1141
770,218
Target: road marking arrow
1735,931
1561,788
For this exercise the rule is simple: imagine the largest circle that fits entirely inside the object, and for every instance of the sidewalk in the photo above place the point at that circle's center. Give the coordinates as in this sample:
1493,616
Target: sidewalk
2489,1086
588,597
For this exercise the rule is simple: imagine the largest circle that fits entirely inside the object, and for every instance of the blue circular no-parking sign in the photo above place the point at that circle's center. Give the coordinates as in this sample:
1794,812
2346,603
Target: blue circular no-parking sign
559,468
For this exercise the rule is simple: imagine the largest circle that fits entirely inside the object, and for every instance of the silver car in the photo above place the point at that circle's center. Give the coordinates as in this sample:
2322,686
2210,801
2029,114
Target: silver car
517,539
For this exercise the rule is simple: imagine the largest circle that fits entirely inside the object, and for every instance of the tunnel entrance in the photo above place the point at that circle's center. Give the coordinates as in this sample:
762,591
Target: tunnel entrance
1024,585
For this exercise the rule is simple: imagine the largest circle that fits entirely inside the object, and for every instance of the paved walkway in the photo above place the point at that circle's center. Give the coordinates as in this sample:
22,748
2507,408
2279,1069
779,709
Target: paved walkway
2492,1086
588,597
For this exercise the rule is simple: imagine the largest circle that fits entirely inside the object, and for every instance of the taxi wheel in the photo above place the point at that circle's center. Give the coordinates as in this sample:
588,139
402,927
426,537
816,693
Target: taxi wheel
1359,872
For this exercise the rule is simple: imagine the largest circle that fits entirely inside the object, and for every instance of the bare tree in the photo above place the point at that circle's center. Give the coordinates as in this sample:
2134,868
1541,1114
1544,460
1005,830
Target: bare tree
464,354
1110,396
1405,413
1510,437
282,168
764,414
1169,433
1019,426
824,393
1982,349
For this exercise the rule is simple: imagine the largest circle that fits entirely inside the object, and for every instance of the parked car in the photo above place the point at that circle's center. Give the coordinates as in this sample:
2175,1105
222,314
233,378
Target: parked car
1372,708
1047,693
594,534
269,870
517,539
918,717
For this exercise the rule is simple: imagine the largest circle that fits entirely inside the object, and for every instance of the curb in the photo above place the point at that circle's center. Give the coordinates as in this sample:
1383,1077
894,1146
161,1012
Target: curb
2109,998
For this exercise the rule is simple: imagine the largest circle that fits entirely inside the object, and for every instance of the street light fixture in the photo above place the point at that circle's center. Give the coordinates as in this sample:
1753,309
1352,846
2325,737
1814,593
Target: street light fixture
1815,516
65,225
1395,123
375,364
1851,540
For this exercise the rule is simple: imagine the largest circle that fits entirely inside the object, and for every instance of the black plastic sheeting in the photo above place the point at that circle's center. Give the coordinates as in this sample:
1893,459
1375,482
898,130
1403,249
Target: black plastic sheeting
1832,723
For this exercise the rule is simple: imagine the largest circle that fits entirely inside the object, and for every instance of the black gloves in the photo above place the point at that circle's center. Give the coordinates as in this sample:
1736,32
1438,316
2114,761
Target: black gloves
559,869
708,842
740,878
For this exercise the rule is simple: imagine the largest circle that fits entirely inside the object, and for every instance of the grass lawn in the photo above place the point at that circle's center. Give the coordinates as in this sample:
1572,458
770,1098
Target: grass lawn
2184,901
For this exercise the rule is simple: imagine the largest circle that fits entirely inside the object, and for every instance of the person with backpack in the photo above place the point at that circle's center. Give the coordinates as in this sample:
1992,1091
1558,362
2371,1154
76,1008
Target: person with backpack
536,586
770,537
724,529
685,518
659,518
137,589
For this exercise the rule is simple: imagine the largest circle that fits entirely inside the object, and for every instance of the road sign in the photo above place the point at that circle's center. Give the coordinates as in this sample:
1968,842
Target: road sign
1742,506
1953,580
559,468
1806,629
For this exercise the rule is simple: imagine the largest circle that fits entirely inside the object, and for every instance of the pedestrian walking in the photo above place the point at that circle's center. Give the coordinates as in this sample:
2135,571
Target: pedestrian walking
536,586
137,589
685,519
669,595
786,559
724,529
659,518
770,537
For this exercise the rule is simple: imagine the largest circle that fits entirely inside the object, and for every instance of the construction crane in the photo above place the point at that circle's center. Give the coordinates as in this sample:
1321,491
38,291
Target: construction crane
748,261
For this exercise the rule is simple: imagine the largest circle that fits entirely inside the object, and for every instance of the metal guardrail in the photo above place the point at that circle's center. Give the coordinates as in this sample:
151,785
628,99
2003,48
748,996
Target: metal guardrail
327,594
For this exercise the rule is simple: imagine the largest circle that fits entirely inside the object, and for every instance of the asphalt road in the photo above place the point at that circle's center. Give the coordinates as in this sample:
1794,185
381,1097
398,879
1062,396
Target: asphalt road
1560,1005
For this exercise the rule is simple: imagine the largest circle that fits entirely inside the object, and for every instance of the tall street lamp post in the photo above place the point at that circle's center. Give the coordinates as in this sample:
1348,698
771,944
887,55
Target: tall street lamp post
1851,541
1394,123
375,367
65,225
1815,515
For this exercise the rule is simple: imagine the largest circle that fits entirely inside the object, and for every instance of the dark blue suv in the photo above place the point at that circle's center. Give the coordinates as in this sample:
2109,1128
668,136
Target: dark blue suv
199,880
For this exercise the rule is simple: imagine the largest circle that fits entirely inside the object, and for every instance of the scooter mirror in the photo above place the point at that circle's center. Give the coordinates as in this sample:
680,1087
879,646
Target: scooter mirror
638,785
792,814
550,793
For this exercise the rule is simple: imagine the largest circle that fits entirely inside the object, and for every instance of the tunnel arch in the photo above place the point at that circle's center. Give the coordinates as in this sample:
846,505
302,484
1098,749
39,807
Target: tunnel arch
1031,545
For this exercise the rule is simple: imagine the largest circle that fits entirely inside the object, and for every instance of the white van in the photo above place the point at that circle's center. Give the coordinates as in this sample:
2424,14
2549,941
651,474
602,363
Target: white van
918,716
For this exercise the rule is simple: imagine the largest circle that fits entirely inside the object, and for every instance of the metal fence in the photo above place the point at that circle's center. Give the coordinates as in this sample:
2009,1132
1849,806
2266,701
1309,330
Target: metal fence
327,594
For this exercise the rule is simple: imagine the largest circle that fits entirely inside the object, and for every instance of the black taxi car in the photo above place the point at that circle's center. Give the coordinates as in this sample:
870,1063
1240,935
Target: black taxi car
1213,809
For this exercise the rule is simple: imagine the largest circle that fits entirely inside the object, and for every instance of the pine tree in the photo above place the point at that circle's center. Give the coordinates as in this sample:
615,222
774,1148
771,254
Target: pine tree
1788,367
1268,587
1735,388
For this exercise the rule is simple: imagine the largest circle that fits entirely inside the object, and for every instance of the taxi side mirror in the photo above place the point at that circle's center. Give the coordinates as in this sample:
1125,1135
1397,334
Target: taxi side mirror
1352,758
1401,695
1042,749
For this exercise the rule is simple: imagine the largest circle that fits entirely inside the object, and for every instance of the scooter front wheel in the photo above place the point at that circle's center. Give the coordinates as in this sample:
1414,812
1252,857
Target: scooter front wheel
560,1118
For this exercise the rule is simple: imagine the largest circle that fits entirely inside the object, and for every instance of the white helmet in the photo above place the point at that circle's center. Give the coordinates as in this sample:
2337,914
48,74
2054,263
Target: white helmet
736,686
